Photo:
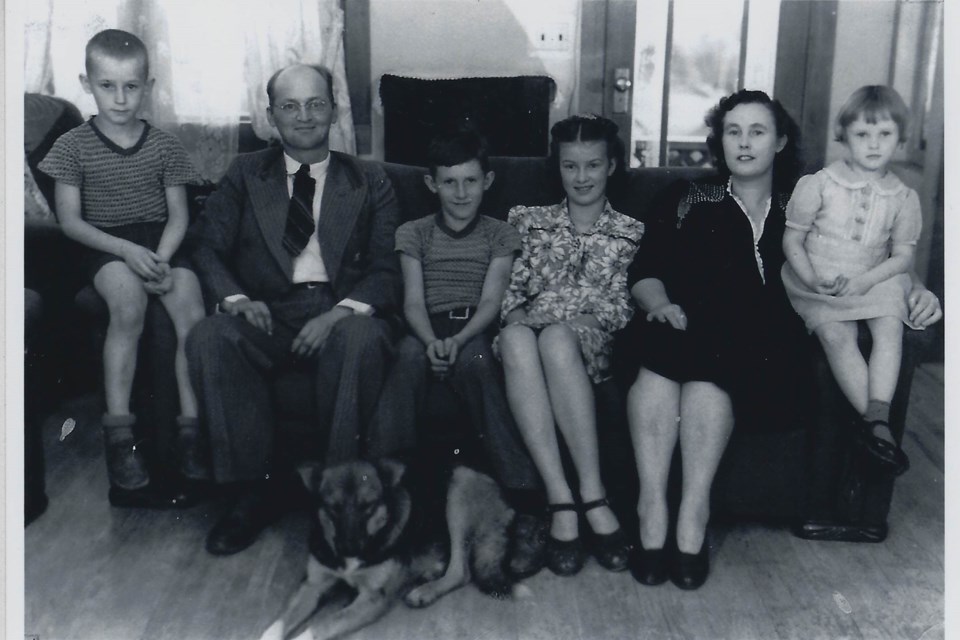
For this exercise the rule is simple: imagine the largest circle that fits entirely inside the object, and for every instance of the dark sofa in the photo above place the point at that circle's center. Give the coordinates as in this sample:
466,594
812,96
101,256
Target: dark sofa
799,472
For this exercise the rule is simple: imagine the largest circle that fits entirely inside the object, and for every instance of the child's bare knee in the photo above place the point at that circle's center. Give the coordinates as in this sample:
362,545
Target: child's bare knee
835,335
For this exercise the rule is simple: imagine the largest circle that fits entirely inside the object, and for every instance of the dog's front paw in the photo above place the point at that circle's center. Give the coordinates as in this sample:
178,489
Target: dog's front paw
422,596
274,631
306,635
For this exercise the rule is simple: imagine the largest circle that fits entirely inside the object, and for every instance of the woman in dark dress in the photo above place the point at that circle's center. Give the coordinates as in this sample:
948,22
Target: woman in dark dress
720,339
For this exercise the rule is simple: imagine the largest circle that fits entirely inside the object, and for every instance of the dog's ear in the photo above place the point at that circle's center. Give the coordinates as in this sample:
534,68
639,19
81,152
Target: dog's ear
391,471
310,474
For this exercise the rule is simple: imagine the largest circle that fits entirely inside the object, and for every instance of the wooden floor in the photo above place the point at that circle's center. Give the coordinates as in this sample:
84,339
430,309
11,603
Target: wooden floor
97,573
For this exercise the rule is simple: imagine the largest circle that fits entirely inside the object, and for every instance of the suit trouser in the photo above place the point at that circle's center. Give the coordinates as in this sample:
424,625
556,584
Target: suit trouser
477,382
232,365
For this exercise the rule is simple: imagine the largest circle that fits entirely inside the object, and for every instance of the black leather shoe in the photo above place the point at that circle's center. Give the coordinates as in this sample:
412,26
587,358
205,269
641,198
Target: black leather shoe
151,497
126,467
564,557
611,550
529,552
888,456
648,566
242,524
689,570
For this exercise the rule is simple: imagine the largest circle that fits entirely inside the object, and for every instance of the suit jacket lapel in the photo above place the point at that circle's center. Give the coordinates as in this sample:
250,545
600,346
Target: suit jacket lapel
271,199
341,204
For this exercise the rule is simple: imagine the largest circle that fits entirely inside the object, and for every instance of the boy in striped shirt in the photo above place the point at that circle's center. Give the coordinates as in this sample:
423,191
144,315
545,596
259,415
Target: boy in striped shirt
120,192
456,265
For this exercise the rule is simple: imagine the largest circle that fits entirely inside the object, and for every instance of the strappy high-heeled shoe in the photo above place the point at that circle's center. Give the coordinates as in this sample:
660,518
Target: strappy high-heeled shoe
564,557
611,550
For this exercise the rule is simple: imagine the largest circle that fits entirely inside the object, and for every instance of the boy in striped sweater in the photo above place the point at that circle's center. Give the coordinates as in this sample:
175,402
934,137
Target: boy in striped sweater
456,265
120,192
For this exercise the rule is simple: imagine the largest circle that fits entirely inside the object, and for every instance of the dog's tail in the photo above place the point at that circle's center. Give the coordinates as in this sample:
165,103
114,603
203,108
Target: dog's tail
486,520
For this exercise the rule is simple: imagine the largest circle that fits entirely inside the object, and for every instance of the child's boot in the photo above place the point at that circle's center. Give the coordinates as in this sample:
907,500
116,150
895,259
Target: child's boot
126,467
192,453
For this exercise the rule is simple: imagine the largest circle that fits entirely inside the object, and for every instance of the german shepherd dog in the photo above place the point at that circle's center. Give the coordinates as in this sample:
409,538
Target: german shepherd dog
382,529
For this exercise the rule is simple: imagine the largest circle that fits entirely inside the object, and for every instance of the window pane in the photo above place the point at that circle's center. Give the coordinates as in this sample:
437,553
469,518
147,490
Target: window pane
704,67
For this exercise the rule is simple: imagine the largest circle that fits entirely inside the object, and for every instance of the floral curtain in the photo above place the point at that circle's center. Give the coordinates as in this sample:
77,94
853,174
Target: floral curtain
211,61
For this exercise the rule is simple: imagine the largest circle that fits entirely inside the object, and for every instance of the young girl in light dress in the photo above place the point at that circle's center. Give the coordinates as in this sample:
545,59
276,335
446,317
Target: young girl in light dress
852,230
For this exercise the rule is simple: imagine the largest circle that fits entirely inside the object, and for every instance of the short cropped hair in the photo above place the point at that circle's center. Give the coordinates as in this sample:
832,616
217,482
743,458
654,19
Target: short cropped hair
786,164
874,102
450,148
117,44
319,68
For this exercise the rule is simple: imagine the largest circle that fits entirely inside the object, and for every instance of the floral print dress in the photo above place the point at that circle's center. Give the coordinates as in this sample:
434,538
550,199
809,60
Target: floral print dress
563,273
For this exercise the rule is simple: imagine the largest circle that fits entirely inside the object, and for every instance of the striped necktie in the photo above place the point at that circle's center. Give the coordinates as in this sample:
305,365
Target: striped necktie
300,225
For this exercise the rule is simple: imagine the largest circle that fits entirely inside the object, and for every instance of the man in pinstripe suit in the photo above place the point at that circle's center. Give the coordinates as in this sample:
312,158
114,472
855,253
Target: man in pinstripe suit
292,290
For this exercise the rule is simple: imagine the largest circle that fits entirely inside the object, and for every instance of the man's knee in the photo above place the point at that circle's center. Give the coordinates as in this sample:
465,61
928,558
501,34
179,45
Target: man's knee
359,333
410,351
207,336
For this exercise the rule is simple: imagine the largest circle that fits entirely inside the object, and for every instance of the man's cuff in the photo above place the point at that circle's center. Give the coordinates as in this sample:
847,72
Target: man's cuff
358,307
235,297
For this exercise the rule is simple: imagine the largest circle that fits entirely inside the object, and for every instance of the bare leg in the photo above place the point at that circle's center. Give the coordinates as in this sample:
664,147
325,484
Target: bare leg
184,303
530,403
839,340
571,396
884,367
706,421
126,299
653,410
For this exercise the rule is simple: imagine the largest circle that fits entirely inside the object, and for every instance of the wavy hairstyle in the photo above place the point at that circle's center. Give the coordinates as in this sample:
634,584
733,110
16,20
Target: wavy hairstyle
589,128
786,164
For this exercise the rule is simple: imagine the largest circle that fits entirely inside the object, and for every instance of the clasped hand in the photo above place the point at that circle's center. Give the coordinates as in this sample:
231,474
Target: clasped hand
841,286
162,285
442,354
153,270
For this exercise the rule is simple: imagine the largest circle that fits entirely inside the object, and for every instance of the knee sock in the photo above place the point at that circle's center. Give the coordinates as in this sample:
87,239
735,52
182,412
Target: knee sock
877,411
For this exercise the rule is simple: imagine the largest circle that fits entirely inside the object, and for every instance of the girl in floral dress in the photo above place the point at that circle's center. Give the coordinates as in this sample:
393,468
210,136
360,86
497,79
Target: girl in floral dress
566,297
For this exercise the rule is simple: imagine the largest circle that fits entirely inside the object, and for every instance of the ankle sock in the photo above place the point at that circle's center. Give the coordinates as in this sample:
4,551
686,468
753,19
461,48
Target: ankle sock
188,425
118,427
877,411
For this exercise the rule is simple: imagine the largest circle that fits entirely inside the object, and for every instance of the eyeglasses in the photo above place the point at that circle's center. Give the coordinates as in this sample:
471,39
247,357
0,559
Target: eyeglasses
292,108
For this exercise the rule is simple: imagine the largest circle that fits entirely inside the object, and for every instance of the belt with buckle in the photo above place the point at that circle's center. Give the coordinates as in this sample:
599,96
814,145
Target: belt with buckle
307,285
462,313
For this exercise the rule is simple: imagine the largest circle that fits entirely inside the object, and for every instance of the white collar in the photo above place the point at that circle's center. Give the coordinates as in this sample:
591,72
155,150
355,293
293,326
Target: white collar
316,169
841,173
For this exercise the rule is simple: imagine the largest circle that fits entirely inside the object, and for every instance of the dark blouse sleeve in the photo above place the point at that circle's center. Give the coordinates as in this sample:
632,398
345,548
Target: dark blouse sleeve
655,256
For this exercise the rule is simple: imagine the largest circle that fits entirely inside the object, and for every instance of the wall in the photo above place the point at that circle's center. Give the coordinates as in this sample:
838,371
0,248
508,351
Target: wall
456,38
862,54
